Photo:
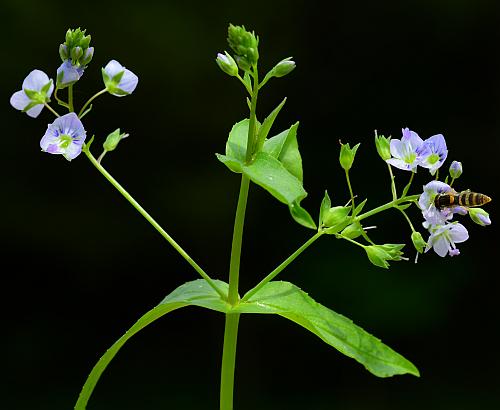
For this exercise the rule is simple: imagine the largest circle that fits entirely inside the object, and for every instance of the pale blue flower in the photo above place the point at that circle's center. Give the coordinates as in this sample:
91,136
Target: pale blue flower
65,136
68,74
432,153
432,215
36,91
405,151
118,80
443,238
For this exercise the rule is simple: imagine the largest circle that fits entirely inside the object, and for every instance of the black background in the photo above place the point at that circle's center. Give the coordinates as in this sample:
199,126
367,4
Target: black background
80,265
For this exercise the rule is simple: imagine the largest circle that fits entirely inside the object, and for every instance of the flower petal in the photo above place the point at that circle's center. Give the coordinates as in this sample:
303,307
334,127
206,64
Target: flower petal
35,111
441,246
113,68
35,80
19,100
458,233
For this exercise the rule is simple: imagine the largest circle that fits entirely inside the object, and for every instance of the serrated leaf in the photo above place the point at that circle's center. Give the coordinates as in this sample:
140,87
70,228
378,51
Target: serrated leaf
301,216
290,302
195,293
271,175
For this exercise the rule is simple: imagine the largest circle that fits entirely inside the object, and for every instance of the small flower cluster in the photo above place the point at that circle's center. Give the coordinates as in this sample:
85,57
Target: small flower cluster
411,151
66,135
408,153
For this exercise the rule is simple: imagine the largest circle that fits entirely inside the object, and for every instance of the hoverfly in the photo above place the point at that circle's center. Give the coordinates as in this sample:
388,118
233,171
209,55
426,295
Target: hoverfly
466,199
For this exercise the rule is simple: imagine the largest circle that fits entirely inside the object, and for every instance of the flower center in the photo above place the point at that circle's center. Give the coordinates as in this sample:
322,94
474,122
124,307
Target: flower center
433,158
65,141
410,158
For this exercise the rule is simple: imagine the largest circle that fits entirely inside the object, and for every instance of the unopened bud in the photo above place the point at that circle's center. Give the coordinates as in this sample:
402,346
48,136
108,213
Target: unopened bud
480,216
418,241
283,68
347,155
455,169
383,145
113,139
227,64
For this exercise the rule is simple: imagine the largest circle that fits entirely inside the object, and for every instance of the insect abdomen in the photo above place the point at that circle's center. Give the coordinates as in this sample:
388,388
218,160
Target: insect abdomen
471,199
446,200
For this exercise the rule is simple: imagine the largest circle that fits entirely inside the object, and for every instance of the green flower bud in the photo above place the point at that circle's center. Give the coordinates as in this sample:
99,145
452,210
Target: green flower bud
380,254
418,241
347,155
76,48
336,215
283,68
455,169
480,216
383,145
227,64
113,139
352,231
245,45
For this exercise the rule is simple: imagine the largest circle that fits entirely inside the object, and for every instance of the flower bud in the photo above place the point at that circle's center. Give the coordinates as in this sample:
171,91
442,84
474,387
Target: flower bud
76,48
380,254
283,68
347,155
63,52
113,139
245,45
352,231
455,169
480,216
383,145
336,215
227,64
418,241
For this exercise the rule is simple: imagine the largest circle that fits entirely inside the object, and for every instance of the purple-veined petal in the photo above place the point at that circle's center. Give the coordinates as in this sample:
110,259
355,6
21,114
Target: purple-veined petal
67,73
399,163
129,81
64,136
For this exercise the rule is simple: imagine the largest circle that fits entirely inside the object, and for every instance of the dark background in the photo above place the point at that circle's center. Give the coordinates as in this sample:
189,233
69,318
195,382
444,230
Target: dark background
80,265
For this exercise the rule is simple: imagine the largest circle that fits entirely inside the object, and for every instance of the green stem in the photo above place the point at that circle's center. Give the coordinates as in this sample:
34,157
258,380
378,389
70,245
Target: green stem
282,266
231,328
51,110
228,361
350,189
90,100
407,187
239,222
393,184
252,137
387,206
452,181
155,224
59,101
245,84
407,219
70,99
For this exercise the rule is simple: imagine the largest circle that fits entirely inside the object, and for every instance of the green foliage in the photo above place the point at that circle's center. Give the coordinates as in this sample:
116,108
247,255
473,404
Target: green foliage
283,299
195,293
288,301
267,124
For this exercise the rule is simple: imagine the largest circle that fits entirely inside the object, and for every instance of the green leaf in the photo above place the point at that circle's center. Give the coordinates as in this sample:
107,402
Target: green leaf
271,175
267,124
236,146
290,154
326,204
247,80
301,216
284,146
359,208
195,293
233,164
288,301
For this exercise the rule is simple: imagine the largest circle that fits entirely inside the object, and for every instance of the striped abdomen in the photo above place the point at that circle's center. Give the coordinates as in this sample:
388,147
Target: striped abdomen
466,198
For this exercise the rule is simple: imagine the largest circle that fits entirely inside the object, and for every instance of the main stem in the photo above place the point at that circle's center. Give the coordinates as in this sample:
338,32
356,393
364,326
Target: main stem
232,319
